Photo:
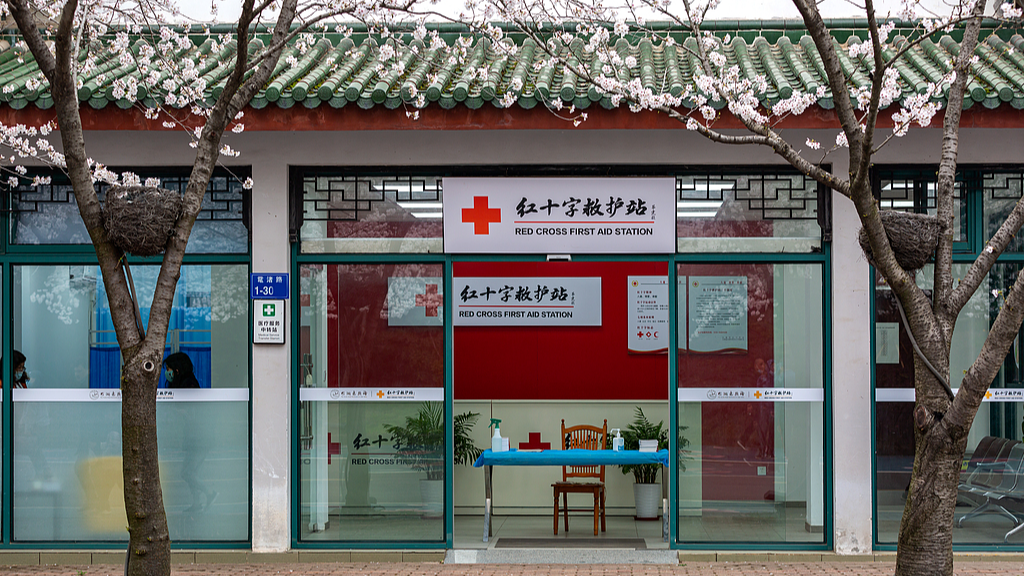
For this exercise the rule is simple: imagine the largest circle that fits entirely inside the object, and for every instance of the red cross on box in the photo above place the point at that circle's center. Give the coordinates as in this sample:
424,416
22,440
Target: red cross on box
332,448
430,301
480,215
535,443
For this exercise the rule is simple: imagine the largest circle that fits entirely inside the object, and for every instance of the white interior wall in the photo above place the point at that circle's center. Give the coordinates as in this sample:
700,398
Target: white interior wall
527,490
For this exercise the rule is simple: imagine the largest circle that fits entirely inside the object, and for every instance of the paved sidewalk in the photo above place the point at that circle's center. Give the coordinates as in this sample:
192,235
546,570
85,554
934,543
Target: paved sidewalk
436,569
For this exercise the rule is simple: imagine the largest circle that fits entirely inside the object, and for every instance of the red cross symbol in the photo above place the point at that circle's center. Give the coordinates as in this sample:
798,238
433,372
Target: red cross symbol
480,215
430,301
535,443
640,334
332,448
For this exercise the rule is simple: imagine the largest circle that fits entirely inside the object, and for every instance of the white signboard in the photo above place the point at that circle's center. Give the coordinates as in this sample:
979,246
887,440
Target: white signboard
268,322
750,395
908,395
114,395
718,314
569,301
415,301
648,314
371,394
559,215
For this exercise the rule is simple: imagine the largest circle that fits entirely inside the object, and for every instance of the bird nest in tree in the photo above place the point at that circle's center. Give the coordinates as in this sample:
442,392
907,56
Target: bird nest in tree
139,219
913,238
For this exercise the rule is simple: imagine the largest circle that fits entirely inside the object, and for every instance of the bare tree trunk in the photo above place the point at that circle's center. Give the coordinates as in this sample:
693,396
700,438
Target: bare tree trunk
149,540
926,531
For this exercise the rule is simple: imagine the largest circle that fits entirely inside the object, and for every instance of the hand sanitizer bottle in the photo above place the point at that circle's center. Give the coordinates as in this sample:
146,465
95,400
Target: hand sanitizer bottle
496,443
617,441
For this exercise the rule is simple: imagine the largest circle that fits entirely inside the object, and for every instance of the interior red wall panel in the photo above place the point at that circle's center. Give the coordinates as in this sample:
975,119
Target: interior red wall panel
559,363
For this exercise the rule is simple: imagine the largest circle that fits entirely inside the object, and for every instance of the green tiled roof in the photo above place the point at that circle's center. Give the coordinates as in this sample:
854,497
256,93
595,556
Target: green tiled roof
338,71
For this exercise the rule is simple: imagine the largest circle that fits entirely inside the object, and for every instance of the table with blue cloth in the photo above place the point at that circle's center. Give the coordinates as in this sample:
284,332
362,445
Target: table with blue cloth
561,458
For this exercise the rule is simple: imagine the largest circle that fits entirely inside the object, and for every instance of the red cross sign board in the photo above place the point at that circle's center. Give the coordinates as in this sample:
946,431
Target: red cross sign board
559,215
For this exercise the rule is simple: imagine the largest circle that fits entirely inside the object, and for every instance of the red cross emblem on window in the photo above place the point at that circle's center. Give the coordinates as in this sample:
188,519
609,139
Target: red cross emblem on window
480,215
332,448
430,301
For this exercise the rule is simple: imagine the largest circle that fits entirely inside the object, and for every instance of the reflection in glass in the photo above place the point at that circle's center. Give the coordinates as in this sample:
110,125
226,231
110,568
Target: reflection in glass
747,212
367,331
999,418
356,213
48,214
67,444
1002,191
754,470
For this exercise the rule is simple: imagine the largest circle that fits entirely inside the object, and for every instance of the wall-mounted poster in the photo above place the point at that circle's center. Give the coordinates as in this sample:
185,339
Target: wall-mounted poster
718,314
682,341
491,301
887,343
648,314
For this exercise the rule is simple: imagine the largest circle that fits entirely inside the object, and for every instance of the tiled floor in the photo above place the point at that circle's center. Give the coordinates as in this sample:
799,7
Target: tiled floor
469,530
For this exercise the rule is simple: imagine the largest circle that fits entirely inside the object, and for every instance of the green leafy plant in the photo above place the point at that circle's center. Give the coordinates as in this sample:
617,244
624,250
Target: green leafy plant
421,439
643,429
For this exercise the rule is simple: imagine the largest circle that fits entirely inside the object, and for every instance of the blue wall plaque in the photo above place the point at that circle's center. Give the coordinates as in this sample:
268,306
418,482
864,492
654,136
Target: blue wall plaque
267,286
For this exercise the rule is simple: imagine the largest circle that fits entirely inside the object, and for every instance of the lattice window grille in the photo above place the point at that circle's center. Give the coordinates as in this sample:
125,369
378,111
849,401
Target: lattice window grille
27,198
355,198
223,199
769,196
897,194
1003,185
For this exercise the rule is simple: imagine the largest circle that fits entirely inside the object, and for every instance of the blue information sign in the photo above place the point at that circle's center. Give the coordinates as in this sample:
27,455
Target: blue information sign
267,286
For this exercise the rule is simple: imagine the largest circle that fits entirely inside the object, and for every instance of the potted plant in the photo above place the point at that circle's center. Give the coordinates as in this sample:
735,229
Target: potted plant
646,490
421,444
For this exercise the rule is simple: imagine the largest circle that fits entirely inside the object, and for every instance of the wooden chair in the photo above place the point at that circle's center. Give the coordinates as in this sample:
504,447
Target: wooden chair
582,437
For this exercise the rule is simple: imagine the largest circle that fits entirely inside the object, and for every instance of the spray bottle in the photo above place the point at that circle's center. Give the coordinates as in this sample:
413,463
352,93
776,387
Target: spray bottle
496,444
617,441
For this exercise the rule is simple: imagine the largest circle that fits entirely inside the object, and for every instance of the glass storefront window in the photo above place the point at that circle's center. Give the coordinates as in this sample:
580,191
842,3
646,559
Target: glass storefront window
1000,415
48,214
751,403
353,214
67,444
763,212
371,403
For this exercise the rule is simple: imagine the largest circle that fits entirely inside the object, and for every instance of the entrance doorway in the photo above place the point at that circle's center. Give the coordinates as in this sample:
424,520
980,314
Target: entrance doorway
596,352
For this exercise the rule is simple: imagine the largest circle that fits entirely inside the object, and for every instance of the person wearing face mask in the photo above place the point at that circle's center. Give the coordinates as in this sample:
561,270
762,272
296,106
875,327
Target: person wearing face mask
178,372
20,376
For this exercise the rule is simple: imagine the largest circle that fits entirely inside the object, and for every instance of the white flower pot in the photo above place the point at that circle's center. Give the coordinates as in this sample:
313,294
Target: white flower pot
432,492
648,500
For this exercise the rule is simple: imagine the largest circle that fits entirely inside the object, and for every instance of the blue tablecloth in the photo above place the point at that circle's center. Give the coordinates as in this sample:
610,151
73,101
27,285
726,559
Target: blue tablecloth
570,458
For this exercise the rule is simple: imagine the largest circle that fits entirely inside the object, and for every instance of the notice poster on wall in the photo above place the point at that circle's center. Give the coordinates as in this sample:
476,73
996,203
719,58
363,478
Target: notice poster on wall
647,308
682,342
718,314
491,301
